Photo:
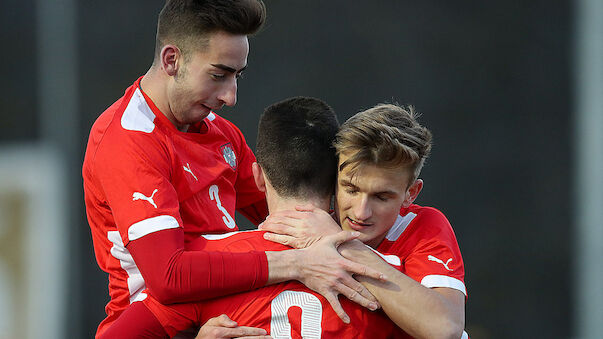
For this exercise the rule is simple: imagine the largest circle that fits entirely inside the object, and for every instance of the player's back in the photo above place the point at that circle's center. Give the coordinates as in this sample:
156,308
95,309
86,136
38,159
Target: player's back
288,310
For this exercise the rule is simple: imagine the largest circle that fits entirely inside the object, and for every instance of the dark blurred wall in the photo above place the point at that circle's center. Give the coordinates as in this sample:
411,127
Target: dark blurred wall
490,78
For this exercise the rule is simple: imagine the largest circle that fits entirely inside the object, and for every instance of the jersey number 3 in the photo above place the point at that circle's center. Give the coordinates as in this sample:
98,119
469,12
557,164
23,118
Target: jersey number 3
311,315
213,195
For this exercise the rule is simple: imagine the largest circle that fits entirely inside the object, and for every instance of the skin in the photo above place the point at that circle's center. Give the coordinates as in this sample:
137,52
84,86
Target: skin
368,202
187,88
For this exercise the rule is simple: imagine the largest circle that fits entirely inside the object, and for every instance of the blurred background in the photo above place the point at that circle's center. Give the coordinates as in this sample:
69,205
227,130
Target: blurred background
510,89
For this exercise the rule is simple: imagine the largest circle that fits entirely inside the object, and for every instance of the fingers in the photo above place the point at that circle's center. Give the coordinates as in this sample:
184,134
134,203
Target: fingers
305,208
363,270
244,331
357,293
281,239
341,237
222,320
276,225
224,327
336,305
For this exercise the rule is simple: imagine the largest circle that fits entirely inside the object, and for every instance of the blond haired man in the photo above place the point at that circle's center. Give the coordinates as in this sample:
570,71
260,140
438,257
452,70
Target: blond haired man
381,152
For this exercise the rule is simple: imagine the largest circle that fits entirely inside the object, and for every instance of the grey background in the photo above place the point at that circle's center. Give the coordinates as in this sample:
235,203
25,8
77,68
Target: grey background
492,80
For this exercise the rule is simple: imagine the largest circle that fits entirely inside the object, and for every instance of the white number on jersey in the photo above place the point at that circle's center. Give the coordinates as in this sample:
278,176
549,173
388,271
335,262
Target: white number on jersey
310,318
213,195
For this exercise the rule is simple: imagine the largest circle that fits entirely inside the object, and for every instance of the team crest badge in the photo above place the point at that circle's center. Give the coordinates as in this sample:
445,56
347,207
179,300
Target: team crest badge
229,156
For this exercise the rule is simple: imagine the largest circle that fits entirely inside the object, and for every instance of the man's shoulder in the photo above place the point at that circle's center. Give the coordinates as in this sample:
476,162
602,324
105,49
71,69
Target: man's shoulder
130,117
427,222
415,220
425,213
125,131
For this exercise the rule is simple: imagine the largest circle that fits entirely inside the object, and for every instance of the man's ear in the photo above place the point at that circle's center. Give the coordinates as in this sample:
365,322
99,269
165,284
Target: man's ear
412,192
170,57
258,176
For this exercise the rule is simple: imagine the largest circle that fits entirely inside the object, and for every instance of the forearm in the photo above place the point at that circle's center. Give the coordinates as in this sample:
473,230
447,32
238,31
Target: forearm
174,275
280,266
420,311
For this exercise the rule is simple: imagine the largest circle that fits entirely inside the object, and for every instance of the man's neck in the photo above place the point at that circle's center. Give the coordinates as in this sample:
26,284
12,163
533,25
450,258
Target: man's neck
154,85
277,203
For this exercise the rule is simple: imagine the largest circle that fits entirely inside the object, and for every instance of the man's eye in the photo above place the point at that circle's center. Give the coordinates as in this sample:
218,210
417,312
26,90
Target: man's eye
216,76
351,190
382,198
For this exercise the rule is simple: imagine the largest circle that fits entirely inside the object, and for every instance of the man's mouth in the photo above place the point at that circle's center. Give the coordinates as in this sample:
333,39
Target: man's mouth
357,225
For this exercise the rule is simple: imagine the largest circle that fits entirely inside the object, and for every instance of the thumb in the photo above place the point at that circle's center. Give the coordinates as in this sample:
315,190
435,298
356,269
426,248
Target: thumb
224,320
343,236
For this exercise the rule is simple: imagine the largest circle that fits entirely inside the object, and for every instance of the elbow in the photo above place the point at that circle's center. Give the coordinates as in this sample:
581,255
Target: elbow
162,292
451,329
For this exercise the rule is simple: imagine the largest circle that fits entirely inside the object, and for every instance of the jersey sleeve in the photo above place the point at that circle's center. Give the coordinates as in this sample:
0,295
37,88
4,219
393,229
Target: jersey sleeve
134,173
133,170
434,259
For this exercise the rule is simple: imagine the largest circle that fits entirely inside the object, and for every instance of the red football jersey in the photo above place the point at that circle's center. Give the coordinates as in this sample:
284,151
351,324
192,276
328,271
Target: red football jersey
425,243
142,175
420,244
285,310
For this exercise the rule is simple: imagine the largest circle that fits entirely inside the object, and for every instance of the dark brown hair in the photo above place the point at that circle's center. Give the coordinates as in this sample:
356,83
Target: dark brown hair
189,23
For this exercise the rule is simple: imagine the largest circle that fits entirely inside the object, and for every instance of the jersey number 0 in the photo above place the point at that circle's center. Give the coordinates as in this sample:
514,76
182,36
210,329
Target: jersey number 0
311,316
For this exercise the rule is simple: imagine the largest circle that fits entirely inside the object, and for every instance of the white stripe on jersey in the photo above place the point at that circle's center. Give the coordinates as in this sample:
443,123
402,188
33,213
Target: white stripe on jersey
211,116
225,235
435,280
390,259
135,281
151,225
399,226
138,116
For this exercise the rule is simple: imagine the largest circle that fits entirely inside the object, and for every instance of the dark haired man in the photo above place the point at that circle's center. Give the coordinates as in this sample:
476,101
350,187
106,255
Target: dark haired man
296,165
161,168
381,152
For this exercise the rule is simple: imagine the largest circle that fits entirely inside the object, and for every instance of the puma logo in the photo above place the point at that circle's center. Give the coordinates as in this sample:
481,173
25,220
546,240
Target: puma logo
432,258
140,196
188,169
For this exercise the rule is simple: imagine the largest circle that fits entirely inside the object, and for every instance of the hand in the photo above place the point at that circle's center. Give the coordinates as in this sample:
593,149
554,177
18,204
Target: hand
300,228
322,269
222,327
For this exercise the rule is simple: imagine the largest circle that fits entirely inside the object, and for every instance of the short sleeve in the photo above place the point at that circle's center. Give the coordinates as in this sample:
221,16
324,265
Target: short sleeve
434,258
133,170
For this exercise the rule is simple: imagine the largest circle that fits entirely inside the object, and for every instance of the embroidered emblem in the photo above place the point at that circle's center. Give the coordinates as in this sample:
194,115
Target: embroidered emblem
229,156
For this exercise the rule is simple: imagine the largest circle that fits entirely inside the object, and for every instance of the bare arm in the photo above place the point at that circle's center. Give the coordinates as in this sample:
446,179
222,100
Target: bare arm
321,268
420,311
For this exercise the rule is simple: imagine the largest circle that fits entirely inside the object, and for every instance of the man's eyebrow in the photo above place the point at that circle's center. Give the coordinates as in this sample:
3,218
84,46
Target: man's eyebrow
347,182
228,68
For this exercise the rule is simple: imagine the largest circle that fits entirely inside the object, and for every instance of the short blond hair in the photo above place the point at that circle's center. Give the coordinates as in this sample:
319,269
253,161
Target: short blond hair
387,136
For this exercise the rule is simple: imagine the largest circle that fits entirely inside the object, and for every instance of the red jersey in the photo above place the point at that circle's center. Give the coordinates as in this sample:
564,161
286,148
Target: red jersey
425,243
142,175
285,310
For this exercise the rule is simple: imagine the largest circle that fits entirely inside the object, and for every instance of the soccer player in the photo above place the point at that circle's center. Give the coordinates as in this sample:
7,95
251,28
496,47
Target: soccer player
381,152
161,168
296,166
